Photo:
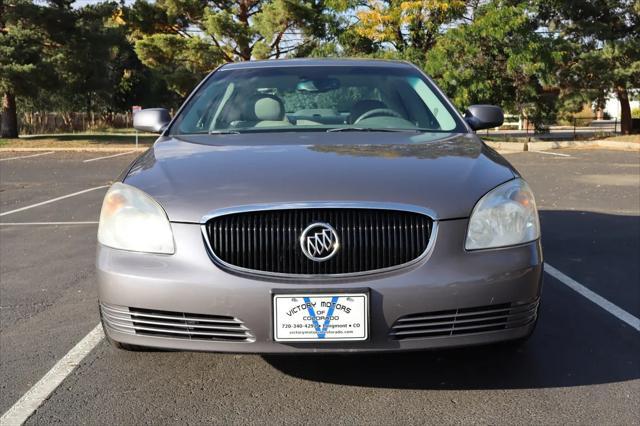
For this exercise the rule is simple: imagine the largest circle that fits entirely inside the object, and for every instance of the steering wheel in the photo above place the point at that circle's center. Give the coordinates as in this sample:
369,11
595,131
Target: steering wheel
377,111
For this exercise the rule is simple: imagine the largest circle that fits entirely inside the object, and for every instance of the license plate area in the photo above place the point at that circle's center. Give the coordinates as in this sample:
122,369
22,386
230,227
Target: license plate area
320,317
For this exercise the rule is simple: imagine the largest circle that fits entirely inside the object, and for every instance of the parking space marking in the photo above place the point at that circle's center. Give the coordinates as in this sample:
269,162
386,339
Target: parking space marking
52,200
614,310
27,156
30,401
108,156
552,153
39,392
46,223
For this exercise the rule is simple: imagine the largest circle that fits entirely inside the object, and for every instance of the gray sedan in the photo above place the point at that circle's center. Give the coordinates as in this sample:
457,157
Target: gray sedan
312,206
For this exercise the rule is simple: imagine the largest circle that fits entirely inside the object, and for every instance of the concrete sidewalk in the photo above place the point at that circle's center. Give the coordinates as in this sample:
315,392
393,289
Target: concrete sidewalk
547,145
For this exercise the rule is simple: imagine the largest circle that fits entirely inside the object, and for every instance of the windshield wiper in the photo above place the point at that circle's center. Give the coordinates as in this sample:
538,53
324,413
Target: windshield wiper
369,129
224,132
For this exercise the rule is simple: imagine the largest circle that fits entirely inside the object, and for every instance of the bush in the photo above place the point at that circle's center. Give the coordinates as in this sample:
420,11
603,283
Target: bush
582,117
635,113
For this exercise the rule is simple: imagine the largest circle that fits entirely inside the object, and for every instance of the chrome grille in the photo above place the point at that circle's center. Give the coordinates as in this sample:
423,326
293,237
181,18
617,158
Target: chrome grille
268,241
175,325
464,321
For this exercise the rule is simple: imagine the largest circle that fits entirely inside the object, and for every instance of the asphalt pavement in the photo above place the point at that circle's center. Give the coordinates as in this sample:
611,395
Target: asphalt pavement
582,366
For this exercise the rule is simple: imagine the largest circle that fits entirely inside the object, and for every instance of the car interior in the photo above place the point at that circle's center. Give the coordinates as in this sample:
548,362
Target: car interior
336,101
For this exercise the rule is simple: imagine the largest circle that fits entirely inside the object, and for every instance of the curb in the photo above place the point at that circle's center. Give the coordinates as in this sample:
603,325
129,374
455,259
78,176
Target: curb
543,146
75,149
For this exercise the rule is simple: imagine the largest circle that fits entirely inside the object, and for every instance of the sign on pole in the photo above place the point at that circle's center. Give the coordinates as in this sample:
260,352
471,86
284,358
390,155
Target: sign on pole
134,109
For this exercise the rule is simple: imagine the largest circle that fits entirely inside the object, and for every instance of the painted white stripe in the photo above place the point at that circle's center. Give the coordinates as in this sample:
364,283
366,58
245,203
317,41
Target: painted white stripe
46,223
26,156
108,156
52,200
614,310
35,396
552,153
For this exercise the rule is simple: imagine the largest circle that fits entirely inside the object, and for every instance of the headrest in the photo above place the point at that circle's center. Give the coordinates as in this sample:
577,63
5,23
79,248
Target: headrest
269,107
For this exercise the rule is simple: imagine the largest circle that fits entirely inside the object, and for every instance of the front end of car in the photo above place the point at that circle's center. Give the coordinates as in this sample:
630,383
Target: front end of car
323,276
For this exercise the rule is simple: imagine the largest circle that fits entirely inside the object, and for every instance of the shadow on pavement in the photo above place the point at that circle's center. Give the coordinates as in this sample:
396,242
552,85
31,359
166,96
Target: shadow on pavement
576,342
599,250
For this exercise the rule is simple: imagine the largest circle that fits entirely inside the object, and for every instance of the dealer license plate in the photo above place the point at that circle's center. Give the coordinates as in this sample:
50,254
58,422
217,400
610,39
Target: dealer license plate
320,317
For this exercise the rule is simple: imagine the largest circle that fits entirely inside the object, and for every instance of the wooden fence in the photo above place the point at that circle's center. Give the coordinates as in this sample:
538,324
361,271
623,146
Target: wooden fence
33,123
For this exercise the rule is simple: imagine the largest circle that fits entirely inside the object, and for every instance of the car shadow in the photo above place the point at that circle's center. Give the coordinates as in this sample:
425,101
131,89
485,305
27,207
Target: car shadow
576,342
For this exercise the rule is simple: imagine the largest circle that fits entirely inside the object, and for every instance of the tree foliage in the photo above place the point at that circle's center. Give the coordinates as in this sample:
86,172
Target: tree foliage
604,45
499,58
536,58
185,39
24,59
407,23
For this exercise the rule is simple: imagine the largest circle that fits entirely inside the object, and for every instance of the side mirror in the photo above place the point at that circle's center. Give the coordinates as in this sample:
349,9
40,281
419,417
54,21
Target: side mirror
152,120
484,116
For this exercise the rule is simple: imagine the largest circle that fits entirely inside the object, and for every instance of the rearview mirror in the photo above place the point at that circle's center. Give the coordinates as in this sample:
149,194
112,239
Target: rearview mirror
152,120
318,85
480,117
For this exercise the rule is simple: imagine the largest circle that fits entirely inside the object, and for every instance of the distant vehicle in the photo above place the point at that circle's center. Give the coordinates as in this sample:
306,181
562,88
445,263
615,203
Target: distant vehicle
318,206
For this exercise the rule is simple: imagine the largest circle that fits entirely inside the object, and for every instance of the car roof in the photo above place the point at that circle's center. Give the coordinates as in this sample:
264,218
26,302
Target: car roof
316,62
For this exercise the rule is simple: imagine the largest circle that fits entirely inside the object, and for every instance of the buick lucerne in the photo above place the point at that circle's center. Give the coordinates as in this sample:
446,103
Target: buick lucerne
318,206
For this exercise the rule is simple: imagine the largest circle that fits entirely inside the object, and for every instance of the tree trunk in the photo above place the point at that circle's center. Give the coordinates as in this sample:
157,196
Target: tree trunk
9,116
243,43
625,110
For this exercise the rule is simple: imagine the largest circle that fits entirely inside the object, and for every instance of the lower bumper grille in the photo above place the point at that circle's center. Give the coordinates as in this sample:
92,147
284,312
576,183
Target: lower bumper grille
176,325
464,321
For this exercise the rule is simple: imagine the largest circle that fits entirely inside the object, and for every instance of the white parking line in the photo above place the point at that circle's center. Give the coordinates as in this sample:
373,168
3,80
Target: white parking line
52,200
39,392
46,223
26,156
552,153
35,396
108,156
614,310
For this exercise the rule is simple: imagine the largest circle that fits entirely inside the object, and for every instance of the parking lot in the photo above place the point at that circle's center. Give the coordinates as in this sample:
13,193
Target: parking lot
582,366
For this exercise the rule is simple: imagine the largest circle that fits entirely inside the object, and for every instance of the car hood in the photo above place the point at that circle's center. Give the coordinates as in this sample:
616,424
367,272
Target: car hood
196,175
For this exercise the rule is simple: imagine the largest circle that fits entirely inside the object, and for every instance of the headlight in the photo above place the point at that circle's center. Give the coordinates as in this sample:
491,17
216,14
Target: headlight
505,216
132,220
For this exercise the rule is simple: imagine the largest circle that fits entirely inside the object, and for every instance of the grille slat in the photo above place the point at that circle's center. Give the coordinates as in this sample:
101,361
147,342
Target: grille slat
176,325
464,321
370,239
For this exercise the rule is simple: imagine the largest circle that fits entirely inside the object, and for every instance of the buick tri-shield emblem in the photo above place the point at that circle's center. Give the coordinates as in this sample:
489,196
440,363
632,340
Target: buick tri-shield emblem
319,242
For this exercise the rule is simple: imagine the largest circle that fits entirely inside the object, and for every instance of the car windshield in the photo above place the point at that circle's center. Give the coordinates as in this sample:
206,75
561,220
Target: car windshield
319,98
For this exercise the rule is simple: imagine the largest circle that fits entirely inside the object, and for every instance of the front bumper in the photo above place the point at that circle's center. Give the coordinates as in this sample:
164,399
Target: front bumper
449,279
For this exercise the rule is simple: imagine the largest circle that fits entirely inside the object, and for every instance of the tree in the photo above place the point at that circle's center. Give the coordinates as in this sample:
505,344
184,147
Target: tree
181,61
43,44
499,58
86,58
407,24
24,61
605,45
185,39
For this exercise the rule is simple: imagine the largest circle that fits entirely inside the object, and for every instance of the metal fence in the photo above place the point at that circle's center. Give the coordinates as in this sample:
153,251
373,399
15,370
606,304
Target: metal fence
573,129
